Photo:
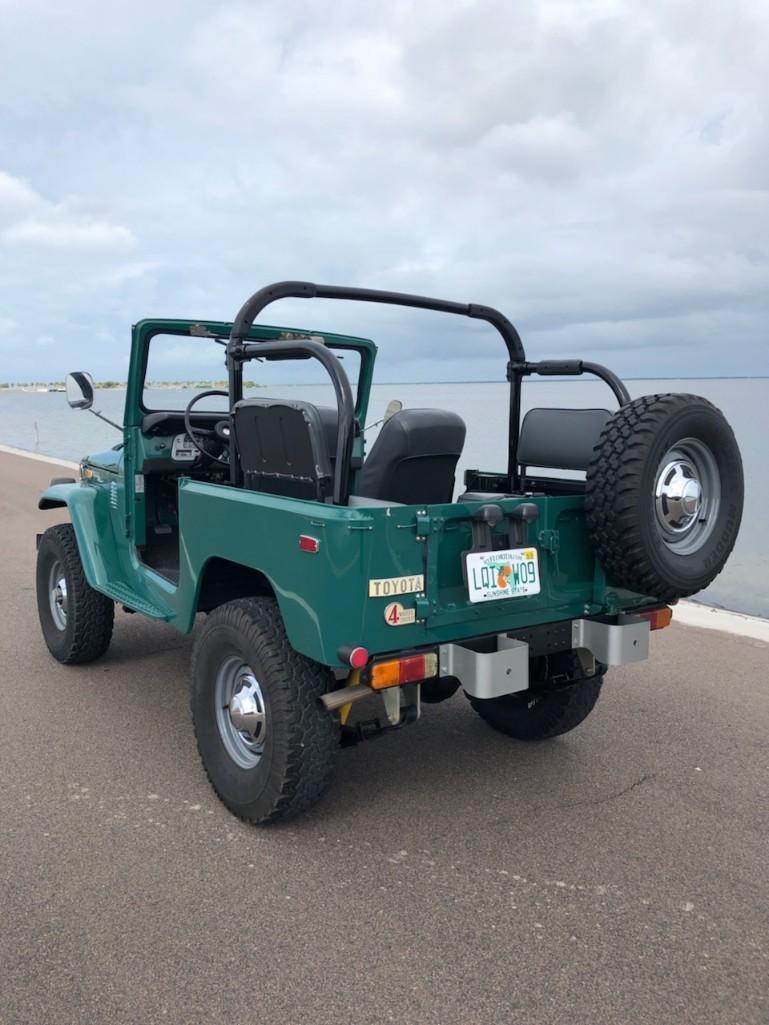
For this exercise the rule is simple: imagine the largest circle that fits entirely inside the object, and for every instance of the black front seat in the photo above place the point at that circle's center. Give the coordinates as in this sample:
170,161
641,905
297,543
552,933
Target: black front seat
282,447
414,459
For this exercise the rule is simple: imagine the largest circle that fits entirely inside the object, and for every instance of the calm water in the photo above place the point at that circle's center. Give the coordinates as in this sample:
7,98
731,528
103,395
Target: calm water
42,422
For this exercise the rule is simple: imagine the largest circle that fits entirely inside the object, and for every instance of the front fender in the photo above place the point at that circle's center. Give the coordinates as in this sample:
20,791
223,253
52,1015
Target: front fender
92,528
56,496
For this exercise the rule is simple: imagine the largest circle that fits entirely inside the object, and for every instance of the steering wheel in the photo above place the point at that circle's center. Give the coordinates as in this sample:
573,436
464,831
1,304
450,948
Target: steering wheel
221,430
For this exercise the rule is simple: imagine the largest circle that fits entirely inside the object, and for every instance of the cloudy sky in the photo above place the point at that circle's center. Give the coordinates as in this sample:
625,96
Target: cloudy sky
598,170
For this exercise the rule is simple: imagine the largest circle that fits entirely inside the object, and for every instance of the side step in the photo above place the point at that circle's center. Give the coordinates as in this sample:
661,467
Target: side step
125,596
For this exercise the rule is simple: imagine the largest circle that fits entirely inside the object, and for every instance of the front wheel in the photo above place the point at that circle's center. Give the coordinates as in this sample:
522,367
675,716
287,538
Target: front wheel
267,743
547,709
75,619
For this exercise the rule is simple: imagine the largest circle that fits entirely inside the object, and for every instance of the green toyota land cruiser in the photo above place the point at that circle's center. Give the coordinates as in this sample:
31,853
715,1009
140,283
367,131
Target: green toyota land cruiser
330,574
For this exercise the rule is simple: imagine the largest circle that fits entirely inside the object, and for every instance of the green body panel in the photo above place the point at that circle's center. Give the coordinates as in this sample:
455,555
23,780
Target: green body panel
324,595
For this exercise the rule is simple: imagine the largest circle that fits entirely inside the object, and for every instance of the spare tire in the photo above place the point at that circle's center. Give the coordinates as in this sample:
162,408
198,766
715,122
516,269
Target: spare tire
664,494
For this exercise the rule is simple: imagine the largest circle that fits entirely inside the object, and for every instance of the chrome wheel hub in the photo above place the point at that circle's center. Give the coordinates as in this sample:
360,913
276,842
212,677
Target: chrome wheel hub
678,496
241,714
57,596
687,496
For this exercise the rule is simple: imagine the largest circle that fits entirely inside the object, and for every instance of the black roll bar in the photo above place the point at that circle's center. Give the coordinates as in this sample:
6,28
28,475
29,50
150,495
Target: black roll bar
251,309
239,349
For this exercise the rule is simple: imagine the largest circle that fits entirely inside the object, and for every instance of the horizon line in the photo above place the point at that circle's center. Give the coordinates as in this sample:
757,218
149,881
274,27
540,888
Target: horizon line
566,379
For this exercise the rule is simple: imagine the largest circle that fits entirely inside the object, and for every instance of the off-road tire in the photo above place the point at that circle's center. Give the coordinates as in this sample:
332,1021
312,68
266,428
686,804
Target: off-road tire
541,713
90,615
302,739
620,495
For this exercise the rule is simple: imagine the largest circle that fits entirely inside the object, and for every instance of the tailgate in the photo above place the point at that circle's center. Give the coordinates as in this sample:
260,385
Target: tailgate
549,532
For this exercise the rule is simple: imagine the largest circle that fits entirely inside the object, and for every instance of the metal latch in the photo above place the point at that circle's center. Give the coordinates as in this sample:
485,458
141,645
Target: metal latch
550,540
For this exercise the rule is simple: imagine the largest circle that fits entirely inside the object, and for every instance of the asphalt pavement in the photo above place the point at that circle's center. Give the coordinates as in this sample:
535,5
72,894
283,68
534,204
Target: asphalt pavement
616,875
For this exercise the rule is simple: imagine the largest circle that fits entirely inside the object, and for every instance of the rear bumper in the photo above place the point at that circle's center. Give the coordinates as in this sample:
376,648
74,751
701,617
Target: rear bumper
506,670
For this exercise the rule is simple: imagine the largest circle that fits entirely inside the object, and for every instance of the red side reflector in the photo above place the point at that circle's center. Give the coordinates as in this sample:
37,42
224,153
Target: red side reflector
358,658
308,544
659,618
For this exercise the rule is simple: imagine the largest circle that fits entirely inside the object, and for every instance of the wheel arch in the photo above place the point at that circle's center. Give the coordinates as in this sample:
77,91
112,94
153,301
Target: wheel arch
80,503
222,580
57,496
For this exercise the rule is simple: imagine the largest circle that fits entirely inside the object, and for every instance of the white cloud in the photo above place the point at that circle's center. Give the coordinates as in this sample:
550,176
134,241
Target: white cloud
15,196
69,235
596,170
28,219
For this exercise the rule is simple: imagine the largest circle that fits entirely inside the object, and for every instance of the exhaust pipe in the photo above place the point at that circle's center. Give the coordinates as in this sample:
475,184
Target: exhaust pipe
336,698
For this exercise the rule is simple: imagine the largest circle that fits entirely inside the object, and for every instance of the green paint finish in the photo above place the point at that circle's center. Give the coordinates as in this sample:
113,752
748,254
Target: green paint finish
323,596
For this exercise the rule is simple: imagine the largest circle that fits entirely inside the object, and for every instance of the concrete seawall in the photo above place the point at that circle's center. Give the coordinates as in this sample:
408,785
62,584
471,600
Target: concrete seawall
618,874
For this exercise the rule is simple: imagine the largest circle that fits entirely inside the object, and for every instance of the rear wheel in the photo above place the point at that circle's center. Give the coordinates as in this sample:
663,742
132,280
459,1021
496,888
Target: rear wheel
547,709
267,743
75,619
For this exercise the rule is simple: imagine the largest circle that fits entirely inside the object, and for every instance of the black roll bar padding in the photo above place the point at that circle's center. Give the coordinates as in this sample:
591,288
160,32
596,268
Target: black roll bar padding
557,367
344,399
574,368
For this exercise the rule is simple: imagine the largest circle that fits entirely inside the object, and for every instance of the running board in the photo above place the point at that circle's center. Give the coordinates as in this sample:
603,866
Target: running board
134,602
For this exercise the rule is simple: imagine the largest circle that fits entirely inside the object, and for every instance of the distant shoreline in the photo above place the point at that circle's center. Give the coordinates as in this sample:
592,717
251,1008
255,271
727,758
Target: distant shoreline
41,387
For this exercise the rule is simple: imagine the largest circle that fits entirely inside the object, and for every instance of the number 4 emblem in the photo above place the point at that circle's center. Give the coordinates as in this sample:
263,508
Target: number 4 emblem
396,615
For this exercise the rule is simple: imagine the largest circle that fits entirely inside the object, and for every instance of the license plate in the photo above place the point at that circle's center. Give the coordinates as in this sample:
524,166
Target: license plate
513,573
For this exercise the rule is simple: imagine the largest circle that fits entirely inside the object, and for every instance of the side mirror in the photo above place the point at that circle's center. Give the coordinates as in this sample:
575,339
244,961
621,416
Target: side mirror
393,406
79,385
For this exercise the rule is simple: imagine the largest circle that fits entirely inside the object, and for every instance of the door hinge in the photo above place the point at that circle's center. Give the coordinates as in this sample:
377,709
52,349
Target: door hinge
423,525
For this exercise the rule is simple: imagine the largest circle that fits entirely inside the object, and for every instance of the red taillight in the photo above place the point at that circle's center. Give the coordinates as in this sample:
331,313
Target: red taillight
308,544
397,671
414,668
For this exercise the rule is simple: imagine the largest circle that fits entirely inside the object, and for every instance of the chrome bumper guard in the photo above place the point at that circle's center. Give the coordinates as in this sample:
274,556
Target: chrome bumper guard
506,670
